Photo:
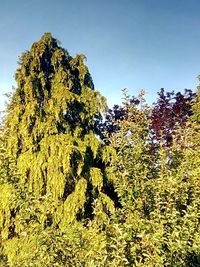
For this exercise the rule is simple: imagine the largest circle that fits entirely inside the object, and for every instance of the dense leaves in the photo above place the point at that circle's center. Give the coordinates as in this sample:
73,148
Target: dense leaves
170,111
51,138
76,191
159,192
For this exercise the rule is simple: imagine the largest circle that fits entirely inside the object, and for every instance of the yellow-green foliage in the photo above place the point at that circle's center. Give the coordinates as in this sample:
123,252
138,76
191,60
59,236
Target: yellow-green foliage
51,139
67,199
51,122
160,193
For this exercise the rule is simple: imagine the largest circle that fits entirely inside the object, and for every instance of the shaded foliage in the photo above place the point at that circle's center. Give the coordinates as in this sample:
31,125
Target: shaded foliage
171,111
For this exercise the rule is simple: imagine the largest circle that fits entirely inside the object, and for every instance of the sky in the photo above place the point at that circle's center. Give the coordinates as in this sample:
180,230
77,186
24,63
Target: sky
133,44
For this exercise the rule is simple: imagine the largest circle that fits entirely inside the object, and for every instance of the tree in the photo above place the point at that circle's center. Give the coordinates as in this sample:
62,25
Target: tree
70,199
170,111
158,224
51,124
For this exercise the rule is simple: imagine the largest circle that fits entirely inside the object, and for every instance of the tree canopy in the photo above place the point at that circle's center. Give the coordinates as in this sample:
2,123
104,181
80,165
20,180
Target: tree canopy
84,185
52,139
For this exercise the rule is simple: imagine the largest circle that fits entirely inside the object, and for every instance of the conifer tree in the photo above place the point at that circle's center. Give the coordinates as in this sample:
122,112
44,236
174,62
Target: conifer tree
52,139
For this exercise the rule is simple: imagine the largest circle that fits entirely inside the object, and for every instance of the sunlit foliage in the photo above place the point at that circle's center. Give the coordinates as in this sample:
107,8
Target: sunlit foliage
73,195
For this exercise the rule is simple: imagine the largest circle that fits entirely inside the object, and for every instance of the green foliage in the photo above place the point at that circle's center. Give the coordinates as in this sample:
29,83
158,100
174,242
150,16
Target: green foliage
68,199
160,195
51,138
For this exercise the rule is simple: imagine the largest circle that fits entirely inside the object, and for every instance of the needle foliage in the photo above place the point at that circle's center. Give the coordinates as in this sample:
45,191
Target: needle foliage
52,142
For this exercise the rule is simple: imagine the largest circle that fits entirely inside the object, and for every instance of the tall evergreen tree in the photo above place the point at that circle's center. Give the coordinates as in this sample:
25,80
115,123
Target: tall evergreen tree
52,139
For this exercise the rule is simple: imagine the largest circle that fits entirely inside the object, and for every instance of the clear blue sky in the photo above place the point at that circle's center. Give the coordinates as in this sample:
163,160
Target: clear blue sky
137,44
